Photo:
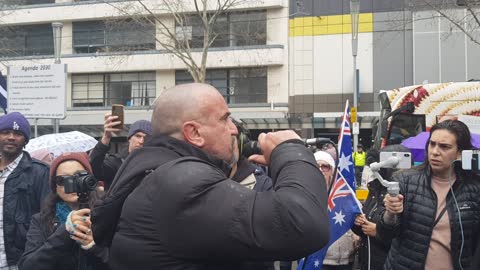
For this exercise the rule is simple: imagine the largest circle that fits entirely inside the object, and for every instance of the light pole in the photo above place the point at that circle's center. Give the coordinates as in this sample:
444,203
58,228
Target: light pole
354,13
57,50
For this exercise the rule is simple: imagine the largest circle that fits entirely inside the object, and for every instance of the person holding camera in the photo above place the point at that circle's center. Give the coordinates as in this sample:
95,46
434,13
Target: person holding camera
106,165
60,236
434,221
186,213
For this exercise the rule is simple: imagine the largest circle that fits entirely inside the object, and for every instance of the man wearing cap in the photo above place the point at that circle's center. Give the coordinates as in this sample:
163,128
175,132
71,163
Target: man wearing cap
23,186
105,165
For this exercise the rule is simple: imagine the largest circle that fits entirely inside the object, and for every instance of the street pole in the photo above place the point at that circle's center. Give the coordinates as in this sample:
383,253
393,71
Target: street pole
57,49
354,13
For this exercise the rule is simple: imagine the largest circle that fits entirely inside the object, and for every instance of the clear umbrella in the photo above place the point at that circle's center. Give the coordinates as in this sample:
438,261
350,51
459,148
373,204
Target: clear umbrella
48,147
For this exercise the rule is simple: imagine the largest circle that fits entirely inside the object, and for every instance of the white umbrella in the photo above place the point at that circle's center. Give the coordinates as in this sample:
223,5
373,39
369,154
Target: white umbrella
48,147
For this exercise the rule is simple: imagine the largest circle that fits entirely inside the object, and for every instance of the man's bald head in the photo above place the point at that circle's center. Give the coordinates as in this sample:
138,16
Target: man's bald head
178,104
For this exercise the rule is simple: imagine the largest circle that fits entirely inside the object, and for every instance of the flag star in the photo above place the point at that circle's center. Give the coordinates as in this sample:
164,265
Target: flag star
344,162
316,263
339,218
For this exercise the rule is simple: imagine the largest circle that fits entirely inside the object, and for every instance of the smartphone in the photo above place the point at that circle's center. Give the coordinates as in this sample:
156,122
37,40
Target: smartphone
405,159
471,160
117,110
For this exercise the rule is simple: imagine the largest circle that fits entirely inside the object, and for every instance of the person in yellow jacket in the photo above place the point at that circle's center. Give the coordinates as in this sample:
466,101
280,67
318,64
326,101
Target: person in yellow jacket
359,158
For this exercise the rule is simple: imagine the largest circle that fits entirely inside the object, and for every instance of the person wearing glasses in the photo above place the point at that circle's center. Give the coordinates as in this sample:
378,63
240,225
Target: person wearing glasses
340,254
60,236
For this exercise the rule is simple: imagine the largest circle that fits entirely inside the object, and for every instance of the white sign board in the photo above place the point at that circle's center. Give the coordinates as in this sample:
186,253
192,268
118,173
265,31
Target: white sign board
37,91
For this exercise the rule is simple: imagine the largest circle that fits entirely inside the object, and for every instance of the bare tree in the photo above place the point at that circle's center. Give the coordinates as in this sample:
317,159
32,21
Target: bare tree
463,15
185,28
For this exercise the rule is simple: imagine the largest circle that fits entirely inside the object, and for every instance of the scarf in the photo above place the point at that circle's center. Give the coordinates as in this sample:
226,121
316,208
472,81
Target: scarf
61,211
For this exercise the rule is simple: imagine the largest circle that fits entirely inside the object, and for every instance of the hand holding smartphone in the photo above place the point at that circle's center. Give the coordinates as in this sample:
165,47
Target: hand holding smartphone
118,110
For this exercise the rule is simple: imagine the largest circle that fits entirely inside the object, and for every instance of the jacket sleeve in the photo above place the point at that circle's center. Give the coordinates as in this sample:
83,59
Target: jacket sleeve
234,222
41,252
104,168
41,186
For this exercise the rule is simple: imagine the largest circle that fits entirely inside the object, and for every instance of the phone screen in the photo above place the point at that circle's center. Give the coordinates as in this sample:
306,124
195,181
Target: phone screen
117,110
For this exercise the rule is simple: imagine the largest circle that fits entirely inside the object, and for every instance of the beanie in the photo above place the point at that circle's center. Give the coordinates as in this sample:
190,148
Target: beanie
140,125
15,121
80,157
324,156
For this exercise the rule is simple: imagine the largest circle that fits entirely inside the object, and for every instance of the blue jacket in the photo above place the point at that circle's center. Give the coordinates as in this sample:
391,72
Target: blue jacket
24,190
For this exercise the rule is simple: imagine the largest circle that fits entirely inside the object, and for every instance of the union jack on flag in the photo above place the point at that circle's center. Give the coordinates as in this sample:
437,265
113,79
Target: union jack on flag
343,207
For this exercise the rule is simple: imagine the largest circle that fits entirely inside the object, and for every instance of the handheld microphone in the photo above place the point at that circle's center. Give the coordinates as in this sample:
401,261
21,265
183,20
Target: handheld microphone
253,147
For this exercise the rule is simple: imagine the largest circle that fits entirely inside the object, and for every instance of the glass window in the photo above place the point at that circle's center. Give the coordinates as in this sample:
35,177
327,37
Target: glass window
233,29
100,36
101,90
26,40
248,85
248,28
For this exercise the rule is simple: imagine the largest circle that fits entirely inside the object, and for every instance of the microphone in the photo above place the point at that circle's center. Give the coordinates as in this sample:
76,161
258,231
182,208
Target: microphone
253,147
389,163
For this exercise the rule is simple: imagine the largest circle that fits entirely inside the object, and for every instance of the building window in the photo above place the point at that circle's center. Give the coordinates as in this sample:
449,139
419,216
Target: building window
237,86
26,40
103,90
232,29
101,36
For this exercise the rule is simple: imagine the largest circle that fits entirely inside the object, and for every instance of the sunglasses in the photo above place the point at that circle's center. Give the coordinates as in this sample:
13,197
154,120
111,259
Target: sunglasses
325,167
61,179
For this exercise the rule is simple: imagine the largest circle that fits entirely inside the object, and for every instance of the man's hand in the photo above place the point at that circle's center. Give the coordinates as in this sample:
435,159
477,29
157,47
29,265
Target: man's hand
108,130
268,142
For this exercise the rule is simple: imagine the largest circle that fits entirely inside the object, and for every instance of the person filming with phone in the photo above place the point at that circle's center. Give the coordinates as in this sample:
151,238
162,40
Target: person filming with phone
106,165
435,220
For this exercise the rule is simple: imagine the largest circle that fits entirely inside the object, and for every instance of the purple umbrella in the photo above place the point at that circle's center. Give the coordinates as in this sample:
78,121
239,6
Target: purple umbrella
417,144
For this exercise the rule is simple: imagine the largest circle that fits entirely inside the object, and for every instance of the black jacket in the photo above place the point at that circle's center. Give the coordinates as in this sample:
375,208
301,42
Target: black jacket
104,164
414,229
373,209
24,190
263,183
188,215
57,251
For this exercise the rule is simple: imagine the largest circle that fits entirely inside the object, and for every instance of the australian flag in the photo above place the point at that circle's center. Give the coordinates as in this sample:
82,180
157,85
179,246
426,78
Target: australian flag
3,93
345,161
343,207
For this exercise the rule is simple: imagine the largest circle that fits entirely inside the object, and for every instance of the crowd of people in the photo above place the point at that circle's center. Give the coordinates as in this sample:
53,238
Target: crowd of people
184,196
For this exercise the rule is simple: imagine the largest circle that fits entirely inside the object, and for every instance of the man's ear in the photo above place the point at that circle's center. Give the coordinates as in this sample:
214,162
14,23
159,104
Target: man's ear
192,134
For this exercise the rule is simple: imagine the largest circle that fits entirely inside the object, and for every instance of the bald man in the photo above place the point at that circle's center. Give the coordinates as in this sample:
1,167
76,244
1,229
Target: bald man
187,214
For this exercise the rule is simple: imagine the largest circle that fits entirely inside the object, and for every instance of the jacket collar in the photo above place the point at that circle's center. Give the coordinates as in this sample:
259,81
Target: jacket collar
25,163
185,149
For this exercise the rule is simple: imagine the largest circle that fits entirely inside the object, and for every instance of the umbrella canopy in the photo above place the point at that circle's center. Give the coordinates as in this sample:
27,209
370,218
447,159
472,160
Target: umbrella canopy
48,147
418,143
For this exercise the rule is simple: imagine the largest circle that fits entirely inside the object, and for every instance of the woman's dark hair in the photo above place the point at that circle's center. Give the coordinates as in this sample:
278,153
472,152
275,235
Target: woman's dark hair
457,128
373,155
48,210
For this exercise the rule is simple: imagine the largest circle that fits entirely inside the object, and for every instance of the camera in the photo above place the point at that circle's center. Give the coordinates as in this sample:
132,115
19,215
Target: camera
81,182
471,160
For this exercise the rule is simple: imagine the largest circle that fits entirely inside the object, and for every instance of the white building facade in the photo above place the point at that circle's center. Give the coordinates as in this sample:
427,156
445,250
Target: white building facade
125,64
